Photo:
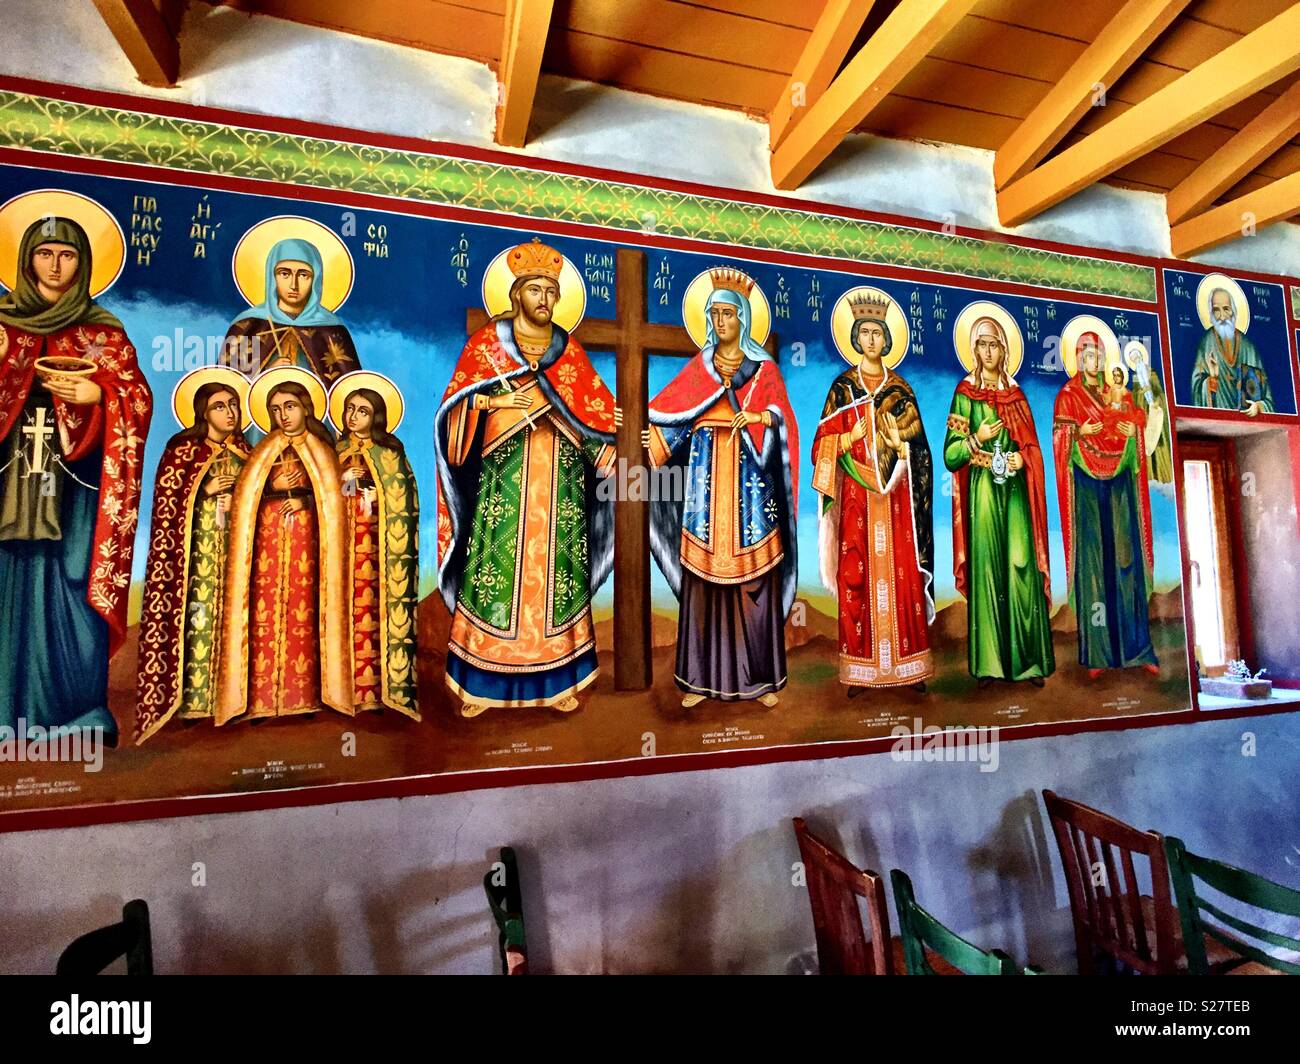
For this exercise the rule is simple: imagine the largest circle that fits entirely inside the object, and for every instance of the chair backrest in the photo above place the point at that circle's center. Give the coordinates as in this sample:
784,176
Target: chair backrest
1187,869
94,951
921,931
1109,914
505,901
834,886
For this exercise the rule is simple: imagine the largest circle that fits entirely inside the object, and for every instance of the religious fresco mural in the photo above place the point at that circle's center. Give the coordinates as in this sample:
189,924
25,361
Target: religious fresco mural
311,491
1230,343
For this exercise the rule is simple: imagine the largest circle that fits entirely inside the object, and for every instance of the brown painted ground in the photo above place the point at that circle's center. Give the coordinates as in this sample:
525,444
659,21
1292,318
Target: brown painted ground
301,751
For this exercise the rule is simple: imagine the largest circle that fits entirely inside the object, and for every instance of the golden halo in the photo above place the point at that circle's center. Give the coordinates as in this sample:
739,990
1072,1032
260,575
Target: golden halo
1131,350
261,390
895,320
1208,285
249,261
183,394
986,309
697,295
569,308
1088,323
376,382
107,242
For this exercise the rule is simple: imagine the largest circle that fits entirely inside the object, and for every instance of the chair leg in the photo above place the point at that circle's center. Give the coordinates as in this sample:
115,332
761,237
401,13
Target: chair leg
1087,955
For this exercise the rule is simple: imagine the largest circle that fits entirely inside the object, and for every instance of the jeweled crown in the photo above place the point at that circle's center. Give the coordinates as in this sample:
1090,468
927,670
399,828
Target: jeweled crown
535,260
868,305
732,280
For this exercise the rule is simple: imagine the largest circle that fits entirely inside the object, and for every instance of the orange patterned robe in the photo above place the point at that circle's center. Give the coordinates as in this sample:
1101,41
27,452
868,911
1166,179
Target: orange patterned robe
285,645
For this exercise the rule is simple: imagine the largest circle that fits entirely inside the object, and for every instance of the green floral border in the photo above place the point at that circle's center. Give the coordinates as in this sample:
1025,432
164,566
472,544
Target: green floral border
43,124
1295,302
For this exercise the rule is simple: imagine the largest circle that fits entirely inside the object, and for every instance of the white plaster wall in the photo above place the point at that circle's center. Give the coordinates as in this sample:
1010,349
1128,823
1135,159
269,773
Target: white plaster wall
682,872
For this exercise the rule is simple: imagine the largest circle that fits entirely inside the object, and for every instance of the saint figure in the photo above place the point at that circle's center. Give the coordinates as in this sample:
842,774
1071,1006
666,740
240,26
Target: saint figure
285,645
525,428
873,470
1228,373
185,575
383,523
72,432
728,548
999,517
290,327
1101,479
1149,396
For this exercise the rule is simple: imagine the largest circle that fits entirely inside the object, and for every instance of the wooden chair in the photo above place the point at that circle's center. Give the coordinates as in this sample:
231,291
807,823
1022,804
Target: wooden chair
94,951
922,932
1111,916
505,901
1236,883
834,887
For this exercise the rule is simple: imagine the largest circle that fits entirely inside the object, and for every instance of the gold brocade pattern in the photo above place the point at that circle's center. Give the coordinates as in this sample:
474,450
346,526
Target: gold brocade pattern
529,641
722,559
248,524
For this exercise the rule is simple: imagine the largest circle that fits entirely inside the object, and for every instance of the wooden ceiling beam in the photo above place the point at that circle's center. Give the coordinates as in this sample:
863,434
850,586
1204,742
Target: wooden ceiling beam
527,23
1262,137
821,57
1274,202
1252,63
1117,46
144,35
903,39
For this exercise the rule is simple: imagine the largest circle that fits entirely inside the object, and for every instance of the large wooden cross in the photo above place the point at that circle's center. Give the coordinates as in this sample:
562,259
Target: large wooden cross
633,338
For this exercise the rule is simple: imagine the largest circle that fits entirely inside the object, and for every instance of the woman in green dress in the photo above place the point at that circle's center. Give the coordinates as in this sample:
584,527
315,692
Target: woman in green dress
999,518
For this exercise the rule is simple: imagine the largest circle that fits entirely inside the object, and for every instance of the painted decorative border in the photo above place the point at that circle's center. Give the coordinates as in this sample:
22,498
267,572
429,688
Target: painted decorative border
1295,302
38,123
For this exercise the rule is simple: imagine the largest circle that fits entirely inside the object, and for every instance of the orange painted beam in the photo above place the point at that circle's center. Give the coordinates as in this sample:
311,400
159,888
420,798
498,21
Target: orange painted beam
821,57
1273,202
1260,138
527,23
903,39
1119,44
1251,63
144,35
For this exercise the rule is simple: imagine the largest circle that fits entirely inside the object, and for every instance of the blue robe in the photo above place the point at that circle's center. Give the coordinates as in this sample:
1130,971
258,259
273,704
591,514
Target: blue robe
1110,571
43,595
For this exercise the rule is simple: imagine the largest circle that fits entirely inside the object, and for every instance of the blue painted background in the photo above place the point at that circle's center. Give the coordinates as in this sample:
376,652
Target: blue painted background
407,311
1267,331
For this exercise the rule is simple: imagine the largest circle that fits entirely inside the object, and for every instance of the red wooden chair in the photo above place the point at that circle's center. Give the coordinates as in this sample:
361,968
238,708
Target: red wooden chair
1112,917
834,887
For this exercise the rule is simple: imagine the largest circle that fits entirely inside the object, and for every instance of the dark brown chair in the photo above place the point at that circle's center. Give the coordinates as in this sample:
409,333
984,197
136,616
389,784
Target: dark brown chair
96,950
1112,917
834,887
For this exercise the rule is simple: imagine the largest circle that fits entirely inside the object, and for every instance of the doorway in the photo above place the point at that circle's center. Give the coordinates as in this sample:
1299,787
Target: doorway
1211,546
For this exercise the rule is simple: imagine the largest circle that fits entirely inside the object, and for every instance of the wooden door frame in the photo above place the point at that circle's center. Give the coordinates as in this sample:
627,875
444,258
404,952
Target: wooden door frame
1221,454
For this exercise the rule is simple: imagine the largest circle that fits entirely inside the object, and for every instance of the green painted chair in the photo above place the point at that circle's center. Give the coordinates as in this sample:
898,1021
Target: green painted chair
921,931
1188,870
505,901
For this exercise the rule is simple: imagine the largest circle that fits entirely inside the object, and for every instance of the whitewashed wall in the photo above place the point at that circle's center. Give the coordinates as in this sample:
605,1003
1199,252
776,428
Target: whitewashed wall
685,872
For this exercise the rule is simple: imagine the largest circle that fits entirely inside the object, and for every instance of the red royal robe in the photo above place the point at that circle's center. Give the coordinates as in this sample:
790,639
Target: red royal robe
482,361
115,428
1076,404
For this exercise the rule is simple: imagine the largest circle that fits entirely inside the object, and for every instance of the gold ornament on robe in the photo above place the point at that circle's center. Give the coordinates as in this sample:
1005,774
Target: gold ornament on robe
318,459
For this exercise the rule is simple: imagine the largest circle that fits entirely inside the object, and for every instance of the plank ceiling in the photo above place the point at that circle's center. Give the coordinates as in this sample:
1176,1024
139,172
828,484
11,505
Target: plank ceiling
973,87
